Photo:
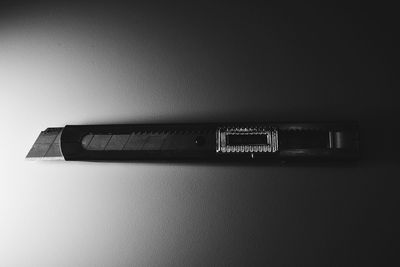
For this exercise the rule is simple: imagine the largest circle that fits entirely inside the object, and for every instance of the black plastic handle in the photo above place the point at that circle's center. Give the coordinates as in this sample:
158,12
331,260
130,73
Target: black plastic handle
217,141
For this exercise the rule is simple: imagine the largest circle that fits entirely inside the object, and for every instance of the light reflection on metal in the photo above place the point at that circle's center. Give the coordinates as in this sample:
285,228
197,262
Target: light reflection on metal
246,140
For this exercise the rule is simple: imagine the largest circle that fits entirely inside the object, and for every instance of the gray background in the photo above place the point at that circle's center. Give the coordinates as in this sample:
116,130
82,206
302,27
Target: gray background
116,63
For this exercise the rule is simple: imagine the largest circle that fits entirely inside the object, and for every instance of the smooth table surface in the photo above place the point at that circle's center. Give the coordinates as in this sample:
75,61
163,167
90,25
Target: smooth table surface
109,63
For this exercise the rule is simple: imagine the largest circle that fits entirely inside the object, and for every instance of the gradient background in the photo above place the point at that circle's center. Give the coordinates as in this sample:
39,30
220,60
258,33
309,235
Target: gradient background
65,63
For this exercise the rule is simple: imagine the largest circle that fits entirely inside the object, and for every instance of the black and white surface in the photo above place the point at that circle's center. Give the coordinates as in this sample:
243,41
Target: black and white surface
64,63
